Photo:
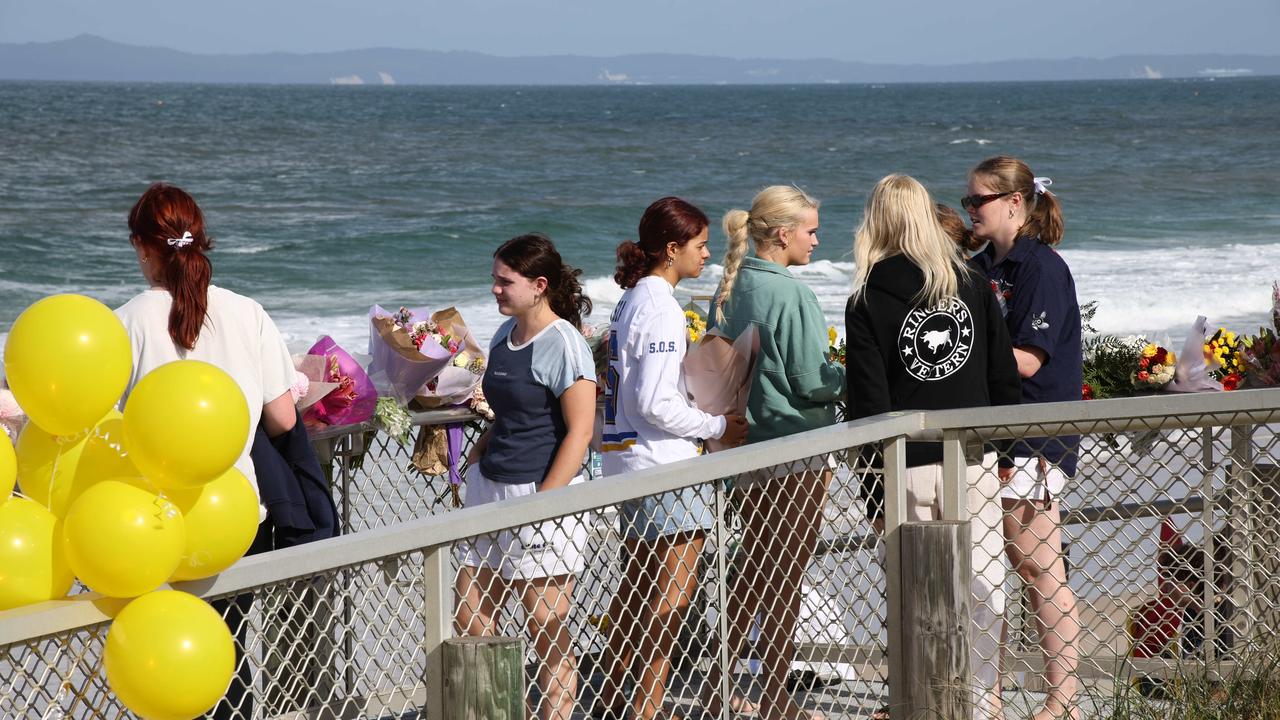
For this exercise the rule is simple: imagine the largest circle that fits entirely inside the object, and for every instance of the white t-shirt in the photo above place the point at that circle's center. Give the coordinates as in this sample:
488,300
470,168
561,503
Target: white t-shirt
648,417
237,337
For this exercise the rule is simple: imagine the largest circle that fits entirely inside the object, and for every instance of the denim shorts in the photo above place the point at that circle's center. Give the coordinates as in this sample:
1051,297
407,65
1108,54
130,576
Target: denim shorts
656,516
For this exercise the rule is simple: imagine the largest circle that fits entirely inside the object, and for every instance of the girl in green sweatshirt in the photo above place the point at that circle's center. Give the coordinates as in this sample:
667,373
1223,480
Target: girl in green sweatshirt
793,390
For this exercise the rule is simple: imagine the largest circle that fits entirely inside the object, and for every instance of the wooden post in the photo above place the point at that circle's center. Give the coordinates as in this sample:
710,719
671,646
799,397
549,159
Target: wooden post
936,617
484,678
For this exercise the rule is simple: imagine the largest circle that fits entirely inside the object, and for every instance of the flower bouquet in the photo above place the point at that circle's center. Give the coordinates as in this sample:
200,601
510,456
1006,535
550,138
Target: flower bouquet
1222,354
407,350
597,337
11,416
1190,373
836,351
351,399
718,373
695,325
309,385
1155,368
1260,354
1109,362
457,382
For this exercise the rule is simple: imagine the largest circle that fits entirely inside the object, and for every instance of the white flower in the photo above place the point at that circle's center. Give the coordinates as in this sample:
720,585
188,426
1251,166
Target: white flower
461,360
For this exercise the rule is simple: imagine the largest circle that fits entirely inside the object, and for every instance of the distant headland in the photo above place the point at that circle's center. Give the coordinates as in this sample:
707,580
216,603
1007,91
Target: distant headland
92,58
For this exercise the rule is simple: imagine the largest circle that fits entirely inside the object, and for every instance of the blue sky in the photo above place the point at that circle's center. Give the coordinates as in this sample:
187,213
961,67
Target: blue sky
901,31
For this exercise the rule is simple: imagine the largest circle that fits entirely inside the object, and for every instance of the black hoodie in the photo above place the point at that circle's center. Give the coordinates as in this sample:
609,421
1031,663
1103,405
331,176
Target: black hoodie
904,356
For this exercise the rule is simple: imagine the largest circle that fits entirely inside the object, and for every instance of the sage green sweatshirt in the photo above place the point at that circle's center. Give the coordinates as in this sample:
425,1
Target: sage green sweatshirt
795,385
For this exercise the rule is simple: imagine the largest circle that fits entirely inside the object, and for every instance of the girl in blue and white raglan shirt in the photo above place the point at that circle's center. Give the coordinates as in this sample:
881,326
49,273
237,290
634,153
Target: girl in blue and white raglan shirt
540,382
648,420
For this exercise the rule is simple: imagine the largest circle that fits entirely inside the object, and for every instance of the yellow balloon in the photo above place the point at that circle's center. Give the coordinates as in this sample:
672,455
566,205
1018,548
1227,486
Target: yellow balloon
8,467
32,565
169,656
185,423
221,520
122,539
53,470
68,361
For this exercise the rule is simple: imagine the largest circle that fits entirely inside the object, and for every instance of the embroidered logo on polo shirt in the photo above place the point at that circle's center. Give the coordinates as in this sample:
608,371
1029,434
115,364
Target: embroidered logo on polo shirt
1003,290
936,341
1038,321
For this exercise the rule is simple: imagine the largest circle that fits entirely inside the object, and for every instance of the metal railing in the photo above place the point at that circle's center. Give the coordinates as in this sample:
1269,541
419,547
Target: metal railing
352,627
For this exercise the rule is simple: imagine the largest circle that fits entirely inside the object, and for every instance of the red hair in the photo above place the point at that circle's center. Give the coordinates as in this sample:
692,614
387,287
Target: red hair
164,213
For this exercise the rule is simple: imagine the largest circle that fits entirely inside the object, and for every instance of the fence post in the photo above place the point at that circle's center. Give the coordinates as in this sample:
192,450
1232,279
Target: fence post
955,477
437,619
895,511
936,616
483,678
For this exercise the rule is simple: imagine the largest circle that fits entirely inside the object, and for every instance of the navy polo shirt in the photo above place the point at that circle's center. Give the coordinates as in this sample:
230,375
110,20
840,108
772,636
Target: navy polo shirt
1037,295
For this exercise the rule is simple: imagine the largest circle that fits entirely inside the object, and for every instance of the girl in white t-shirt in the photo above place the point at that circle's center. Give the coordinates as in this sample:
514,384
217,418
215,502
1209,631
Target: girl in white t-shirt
183,316
648,420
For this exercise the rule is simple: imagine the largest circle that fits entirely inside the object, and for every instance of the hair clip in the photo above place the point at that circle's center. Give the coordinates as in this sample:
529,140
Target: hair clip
183,241
1042,185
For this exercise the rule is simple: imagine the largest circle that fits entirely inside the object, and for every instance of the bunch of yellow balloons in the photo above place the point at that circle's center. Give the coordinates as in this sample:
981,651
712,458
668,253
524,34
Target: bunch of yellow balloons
125,501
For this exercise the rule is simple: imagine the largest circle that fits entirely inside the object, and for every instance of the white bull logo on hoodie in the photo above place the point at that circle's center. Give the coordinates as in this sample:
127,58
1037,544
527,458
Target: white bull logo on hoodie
936,339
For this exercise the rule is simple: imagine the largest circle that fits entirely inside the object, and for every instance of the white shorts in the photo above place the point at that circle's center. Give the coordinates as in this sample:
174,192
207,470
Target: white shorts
1031,481
546,549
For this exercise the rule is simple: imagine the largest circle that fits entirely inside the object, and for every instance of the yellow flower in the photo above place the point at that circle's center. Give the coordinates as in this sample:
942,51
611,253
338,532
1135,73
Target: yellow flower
1149,350
831,335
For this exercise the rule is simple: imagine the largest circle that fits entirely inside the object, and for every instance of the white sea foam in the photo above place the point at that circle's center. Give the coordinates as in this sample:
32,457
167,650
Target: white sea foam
1156,291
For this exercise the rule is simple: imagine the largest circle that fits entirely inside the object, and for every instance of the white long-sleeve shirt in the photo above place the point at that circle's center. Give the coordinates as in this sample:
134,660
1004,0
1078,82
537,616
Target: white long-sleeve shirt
648,419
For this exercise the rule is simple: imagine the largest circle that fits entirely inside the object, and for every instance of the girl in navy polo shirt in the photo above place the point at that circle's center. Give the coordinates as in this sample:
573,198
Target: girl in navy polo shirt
540,382
1021,221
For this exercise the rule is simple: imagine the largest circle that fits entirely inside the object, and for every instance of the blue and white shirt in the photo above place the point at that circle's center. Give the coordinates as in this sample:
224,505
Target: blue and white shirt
523,384
648,419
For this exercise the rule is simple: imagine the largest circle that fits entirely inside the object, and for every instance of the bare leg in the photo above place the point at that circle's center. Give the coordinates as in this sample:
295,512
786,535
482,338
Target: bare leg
793,522
479,591
1035,550
743,600
546,604
625,613
668,598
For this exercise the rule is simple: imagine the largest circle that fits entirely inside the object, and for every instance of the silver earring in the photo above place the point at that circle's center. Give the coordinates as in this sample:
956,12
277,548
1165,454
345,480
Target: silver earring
1011,214
669,262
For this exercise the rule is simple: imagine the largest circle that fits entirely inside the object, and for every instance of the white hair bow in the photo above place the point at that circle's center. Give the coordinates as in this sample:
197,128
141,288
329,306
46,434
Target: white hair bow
1042,184
183,241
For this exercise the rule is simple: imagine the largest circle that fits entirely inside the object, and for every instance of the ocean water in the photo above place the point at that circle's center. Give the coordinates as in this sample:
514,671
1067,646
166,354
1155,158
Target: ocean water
325,200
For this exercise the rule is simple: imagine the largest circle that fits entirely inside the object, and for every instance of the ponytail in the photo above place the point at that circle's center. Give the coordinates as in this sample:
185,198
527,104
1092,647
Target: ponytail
533,255
633,264
566,298
1044,219
187,276
169,226
735,232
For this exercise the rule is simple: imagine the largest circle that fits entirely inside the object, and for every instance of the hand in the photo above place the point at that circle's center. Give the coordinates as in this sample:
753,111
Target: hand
735,431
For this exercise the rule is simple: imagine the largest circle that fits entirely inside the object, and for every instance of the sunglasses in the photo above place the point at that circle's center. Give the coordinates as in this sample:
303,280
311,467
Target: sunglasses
973,202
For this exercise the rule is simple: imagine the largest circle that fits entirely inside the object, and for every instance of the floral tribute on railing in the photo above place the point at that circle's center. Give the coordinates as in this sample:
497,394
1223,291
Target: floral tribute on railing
1117,366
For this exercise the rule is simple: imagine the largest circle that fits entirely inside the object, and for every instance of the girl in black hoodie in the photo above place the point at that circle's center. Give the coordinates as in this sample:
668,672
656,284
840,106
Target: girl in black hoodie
925,333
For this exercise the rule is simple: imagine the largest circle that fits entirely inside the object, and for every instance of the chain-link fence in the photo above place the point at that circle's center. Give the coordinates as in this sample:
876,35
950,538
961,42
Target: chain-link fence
744,580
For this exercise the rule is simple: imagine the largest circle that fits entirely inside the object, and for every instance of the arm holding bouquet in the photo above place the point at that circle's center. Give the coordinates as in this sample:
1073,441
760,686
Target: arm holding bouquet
652,390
